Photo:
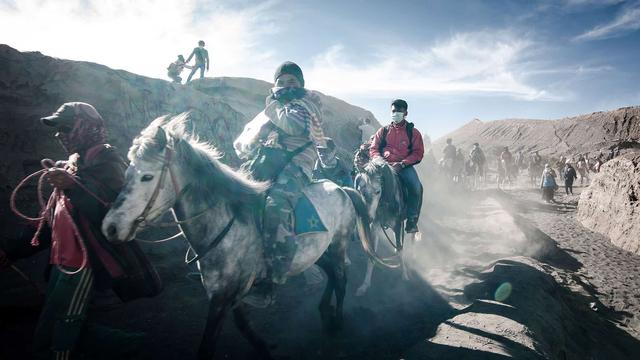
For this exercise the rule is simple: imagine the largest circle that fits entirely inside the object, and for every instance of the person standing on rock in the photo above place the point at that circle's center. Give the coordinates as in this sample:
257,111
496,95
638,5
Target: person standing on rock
202,60
548,183
569,175
400,145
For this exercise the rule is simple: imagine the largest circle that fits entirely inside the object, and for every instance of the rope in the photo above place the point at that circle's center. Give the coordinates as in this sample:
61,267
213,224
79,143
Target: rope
47,208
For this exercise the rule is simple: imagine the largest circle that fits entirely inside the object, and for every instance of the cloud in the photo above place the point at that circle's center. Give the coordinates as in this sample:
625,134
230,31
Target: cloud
144,36
581,3
628,20
485,63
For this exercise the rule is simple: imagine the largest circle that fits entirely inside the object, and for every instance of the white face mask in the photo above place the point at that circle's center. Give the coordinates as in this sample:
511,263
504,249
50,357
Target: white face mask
397,117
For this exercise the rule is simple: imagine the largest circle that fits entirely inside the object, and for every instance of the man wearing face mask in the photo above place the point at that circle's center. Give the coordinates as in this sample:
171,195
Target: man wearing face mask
290,128
330,167
81,259
400,144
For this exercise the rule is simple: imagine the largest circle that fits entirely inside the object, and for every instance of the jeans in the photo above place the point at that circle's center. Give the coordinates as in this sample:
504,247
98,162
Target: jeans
195,68
411,182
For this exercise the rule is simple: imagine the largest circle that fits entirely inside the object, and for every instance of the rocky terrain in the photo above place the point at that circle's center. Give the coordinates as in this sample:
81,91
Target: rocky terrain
585,133
33,85
610,205
497,274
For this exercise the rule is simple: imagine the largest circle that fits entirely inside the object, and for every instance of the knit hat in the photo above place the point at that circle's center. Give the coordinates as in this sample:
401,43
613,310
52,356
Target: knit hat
291,68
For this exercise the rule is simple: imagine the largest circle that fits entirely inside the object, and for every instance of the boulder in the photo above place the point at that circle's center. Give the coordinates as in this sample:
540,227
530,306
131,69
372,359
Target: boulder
610,205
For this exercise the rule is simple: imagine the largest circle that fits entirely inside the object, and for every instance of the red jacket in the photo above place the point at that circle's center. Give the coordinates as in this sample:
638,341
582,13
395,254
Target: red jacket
397,148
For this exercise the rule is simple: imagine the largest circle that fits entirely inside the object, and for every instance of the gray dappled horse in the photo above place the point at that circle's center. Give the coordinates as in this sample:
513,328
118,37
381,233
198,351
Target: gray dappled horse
220,213
382,191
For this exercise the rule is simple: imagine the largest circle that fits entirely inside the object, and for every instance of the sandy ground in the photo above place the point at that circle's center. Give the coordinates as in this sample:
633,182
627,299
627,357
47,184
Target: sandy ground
497,274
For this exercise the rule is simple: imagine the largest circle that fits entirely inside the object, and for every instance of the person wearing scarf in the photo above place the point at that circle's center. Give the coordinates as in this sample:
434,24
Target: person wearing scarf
81,259
292,122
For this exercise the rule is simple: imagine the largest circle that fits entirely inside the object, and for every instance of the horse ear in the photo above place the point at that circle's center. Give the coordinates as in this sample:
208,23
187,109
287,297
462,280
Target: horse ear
160,138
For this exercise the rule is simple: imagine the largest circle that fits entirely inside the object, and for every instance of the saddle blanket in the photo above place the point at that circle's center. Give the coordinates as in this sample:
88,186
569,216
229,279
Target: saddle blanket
306,216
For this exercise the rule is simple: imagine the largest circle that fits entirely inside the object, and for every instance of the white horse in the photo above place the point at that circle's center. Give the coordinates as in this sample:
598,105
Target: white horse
220,213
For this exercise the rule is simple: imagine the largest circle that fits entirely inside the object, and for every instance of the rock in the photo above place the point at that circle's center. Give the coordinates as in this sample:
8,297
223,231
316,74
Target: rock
33,85
584,133
610,205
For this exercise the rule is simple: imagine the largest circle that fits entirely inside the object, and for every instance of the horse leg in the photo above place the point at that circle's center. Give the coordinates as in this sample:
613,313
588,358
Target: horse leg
340,286
215,319
398,231
240,319
325,308
367,277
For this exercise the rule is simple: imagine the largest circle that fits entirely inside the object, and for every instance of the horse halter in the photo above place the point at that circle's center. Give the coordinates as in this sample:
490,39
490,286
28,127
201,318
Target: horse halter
142,218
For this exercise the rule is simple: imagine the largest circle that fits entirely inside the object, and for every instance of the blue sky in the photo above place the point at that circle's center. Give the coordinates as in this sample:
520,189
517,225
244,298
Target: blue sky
451,60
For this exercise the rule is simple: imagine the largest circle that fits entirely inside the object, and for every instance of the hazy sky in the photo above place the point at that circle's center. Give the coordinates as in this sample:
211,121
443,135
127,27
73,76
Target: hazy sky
452,60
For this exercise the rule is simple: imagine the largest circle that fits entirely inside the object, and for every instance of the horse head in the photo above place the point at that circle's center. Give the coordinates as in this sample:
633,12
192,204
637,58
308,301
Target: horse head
169,167
149,189
377,184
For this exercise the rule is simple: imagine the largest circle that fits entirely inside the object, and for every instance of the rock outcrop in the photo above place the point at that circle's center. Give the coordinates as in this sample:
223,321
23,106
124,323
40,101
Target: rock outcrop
585,133
33,85
611,204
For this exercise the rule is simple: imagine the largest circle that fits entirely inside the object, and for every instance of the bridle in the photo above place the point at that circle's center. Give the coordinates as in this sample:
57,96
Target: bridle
141,220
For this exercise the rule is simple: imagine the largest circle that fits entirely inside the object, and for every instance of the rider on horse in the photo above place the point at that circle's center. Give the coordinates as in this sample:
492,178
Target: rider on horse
330,167
477,155
392,143
288,142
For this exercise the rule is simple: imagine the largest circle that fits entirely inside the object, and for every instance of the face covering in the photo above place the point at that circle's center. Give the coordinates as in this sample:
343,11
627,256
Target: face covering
286,94
397,117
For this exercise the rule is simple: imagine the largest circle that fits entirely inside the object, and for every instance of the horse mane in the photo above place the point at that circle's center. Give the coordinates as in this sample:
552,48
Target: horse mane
206,171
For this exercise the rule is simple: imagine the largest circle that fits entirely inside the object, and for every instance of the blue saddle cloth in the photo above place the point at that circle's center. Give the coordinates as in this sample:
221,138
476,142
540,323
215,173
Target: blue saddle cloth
306,216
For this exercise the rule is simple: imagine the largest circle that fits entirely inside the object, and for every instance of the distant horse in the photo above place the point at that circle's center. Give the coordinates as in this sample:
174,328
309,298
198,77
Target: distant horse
477,171
505,173
220,213
446,168
382,191
534,169
583,170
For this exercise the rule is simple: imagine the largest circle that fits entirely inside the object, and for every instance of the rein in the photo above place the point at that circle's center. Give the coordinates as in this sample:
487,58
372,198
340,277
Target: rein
141,220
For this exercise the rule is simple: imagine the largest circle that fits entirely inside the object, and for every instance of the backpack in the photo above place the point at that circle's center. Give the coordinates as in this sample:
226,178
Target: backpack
172,67
385,131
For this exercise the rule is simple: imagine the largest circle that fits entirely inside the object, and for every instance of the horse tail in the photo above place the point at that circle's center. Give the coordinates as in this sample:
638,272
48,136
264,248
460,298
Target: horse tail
364,230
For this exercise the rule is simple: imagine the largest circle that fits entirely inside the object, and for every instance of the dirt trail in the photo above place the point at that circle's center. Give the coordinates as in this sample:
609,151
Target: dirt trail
496,275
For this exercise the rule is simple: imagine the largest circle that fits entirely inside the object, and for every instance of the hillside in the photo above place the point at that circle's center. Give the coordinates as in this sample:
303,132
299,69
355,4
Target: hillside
584,133
33,85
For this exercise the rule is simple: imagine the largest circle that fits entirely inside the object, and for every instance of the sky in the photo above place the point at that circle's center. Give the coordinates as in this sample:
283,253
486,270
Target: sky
453,61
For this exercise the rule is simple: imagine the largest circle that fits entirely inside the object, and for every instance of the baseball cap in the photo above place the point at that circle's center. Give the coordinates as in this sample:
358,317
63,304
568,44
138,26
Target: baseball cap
64,117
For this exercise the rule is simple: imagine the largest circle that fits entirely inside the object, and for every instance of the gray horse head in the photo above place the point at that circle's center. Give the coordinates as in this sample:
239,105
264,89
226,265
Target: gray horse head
168,163
378,184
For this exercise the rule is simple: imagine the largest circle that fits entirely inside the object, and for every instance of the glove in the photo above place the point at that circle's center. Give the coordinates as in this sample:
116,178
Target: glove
60,179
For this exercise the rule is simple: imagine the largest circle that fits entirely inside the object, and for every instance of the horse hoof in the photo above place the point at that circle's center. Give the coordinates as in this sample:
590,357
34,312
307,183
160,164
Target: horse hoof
362,290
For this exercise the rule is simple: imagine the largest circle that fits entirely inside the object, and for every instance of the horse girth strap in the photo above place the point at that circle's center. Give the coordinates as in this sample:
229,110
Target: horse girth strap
215,241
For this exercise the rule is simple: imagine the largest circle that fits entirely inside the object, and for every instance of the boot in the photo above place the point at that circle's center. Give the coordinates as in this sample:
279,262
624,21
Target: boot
282,259
411,225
